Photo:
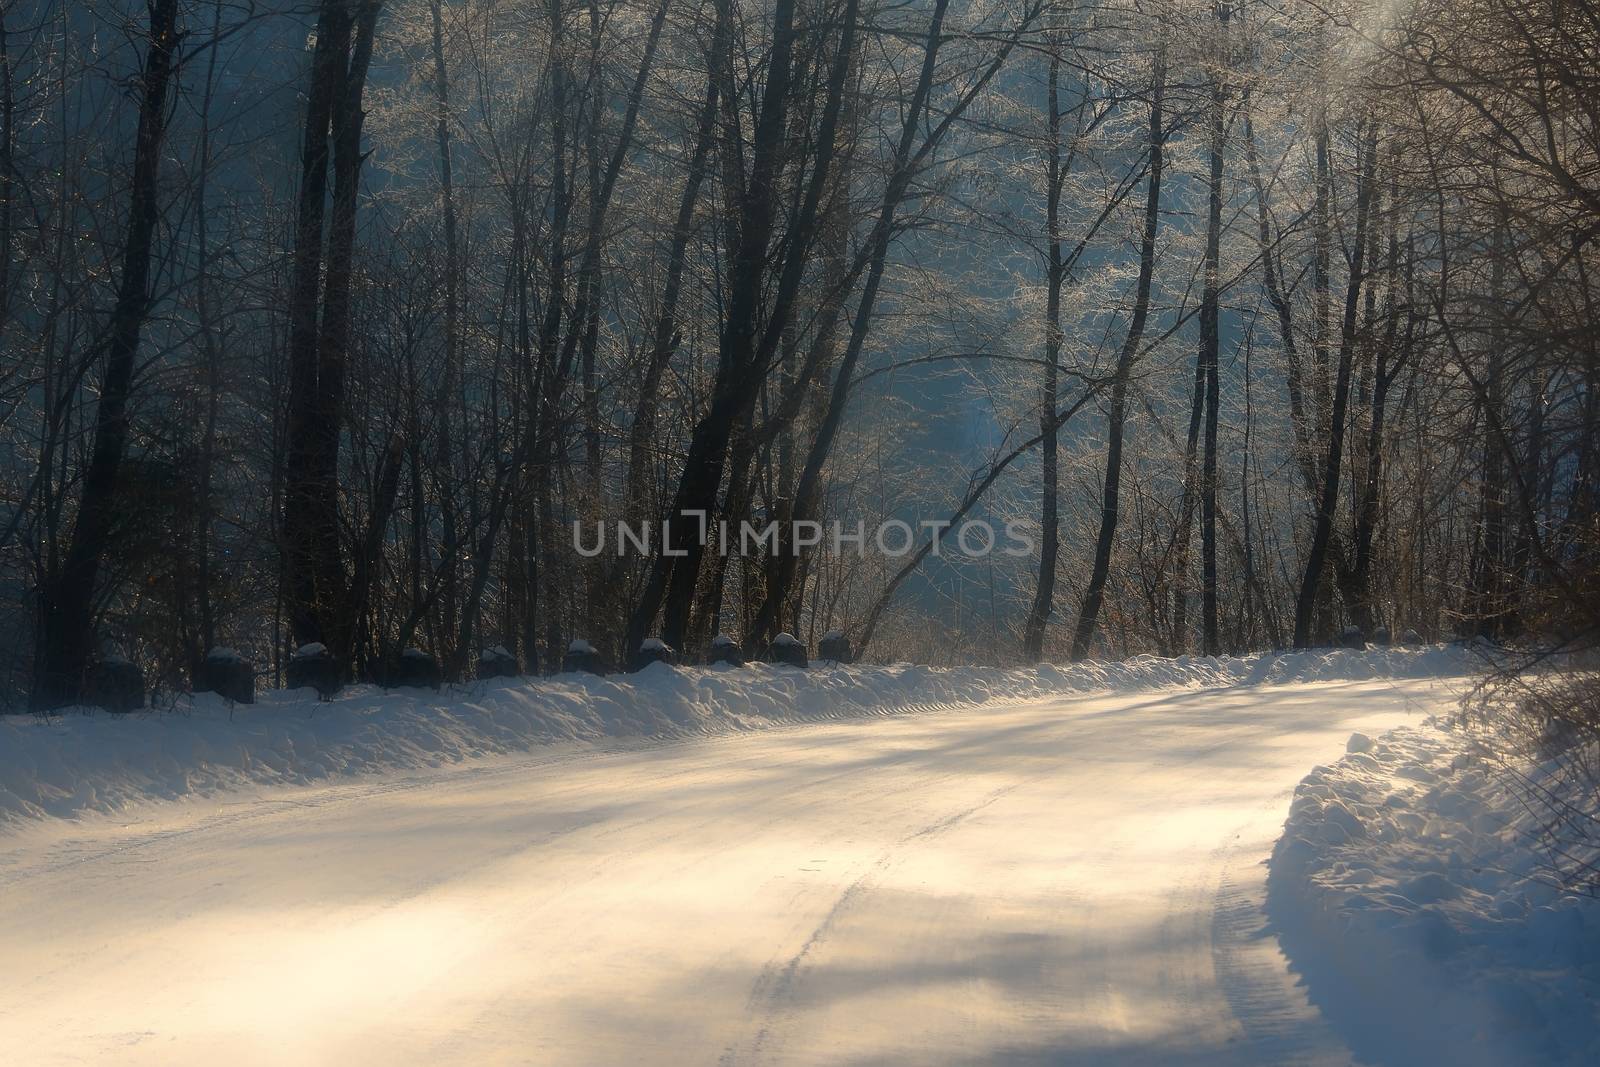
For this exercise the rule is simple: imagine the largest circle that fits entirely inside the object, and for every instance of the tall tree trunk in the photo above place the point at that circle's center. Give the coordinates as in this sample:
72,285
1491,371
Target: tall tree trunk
664,341
1322,532
549,375
315,583
1576,532
1210,348
1488,605
211,348
66,601
8,140
305,604
1322,326
585,326
584,331
449,379
1388,365
1258,605
1049,507
672,581
333,340
1272,280
1094,594
1184,536
1321,283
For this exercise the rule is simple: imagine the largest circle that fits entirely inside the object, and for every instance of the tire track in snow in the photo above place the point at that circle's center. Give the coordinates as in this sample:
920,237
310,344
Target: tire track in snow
1278,1022
772,991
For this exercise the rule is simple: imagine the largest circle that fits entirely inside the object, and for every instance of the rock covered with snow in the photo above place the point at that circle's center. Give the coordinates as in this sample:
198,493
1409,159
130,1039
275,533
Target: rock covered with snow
835,647
653,650
416,669
1408,889
497,662
116,684
725,650
787,649
582,657
314,667
228,674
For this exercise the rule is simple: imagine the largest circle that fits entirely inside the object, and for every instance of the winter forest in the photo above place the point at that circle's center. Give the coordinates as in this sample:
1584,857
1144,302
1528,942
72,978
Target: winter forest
350,322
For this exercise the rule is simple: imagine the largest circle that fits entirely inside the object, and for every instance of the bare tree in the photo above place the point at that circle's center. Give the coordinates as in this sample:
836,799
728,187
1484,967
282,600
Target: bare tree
66,600
1094,593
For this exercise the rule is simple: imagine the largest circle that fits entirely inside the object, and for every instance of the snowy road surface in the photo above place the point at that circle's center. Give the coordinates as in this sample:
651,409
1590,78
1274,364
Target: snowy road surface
1065,881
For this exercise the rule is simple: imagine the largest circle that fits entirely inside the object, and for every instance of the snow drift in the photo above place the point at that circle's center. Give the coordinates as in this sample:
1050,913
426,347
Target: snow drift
94,762
1408,890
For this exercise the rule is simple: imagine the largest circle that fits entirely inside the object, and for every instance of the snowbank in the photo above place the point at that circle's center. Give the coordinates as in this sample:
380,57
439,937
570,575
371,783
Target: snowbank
84,761
1408,891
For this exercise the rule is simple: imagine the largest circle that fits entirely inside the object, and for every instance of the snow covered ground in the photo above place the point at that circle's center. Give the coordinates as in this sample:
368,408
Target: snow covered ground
1070,879
93,762
1408,888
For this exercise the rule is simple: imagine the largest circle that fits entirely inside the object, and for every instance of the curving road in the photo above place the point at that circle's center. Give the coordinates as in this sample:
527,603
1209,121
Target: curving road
1071,881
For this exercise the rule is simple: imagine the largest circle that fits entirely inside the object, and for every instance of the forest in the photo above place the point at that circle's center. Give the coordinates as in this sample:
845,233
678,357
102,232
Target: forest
331,322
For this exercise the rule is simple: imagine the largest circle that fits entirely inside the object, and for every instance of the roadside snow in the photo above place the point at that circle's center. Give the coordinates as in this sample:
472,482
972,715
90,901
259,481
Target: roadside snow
94,762
1408,891
1072,880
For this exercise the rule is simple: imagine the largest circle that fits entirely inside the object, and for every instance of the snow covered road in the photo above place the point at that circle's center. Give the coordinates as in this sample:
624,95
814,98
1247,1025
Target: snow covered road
1064,881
